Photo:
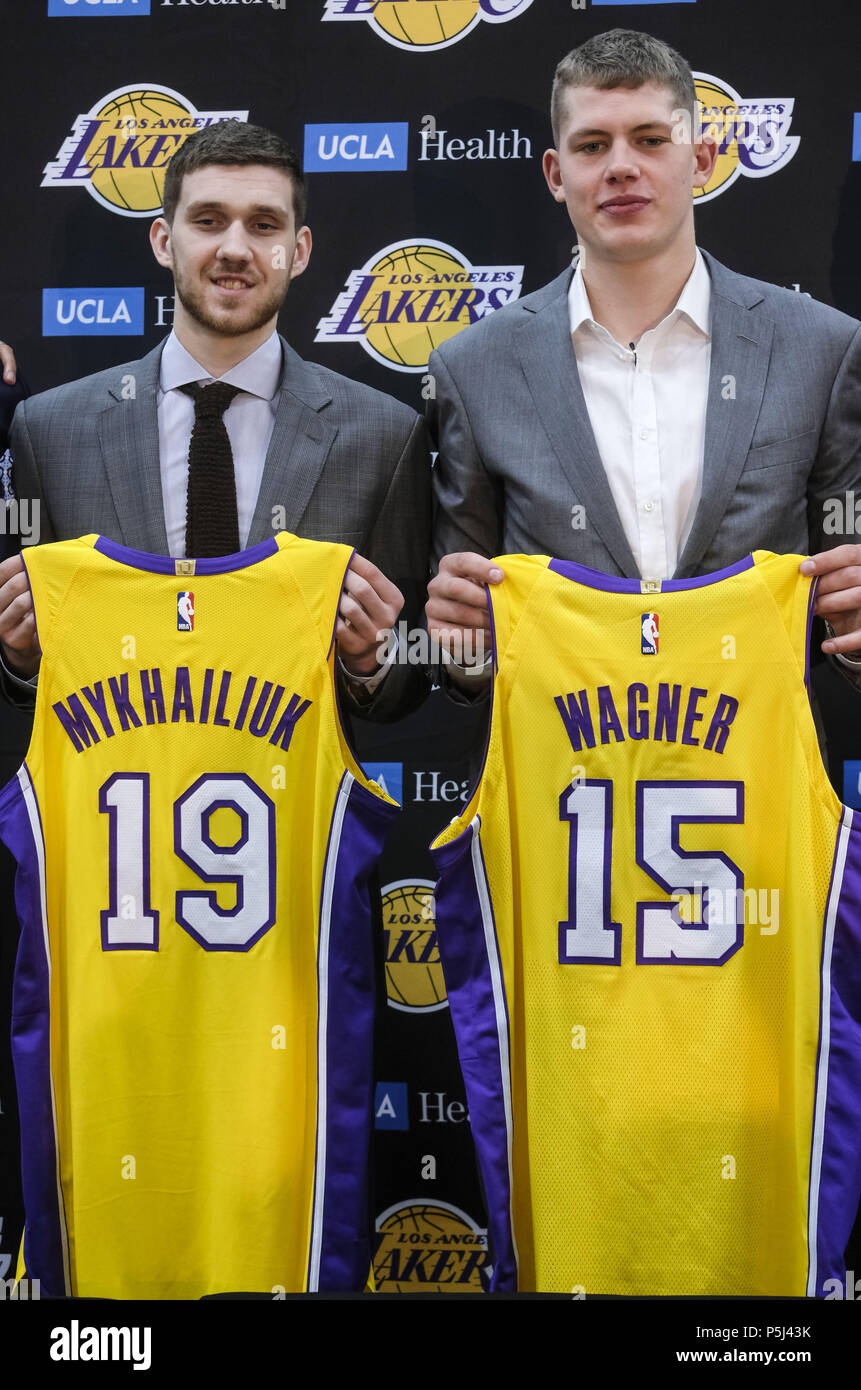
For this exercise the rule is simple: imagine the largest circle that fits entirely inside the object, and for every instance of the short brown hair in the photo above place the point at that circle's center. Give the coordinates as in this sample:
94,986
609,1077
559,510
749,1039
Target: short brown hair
621,58
233,142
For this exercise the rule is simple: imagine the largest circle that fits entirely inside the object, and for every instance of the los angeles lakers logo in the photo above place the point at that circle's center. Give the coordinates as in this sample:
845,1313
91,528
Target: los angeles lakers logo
428,1247
120,148
414,978
752,135
420,25
412,296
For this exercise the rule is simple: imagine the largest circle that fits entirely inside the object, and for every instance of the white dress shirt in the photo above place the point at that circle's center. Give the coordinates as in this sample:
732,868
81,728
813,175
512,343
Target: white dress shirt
647,408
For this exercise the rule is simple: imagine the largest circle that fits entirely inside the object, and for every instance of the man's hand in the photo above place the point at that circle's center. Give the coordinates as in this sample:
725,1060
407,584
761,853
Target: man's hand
369,607
17,620
457,612
10,368
838,597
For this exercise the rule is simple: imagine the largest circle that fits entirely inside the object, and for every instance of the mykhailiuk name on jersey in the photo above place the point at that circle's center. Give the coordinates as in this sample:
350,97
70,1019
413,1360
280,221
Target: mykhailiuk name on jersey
193,1005
179,696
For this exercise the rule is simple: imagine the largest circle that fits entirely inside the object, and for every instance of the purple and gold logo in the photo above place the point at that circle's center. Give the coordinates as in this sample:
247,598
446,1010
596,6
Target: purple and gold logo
120,148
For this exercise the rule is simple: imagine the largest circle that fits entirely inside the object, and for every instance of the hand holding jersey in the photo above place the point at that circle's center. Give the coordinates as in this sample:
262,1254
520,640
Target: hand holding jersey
369,606
457,598
368,610
457,608
838,596
17,622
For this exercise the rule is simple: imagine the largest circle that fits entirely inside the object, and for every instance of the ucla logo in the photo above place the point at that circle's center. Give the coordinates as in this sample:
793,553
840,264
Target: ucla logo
93,312
414,978
348,149
428,1247
120,148
80,9
412,296
753,136
425,24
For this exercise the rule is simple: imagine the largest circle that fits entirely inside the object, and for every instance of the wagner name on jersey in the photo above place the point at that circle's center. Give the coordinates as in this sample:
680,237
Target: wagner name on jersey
649,917
193,995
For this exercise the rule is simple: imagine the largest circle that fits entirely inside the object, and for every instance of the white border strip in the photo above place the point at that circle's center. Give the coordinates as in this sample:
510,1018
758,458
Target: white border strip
322,1020
32,807
492,949
824,1048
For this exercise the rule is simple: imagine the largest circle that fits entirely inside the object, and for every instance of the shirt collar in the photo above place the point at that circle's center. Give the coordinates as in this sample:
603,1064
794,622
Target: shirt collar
694,301
259,374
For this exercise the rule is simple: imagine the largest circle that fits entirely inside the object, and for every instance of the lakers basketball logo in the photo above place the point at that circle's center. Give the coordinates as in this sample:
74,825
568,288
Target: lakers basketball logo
649,631
752,135
417,25
429,1247
412,296
414,978
120,148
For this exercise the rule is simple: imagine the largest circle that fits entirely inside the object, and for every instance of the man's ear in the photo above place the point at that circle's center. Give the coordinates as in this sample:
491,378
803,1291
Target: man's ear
550,166
159,240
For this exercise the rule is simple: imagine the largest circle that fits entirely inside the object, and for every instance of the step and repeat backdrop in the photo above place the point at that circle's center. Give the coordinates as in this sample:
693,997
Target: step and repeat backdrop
422,124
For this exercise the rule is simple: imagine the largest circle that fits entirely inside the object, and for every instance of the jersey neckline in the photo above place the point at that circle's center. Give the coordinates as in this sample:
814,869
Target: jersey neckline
616,584
167,564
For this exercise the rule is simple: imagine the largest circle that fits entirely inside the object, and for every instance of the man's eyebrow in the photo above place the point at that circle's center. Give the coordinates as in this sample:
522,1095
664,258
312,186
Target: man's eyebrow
256,210
634,130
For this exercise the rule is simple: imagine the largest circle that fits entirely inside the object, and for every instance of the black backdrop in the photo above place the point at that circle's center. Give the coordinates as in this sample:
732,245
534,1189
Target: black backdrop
477,70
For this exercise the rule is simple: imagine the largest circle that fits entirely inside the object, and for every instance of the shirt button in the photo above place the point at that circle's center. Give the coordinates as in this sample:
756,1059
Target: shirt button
648,506
644,434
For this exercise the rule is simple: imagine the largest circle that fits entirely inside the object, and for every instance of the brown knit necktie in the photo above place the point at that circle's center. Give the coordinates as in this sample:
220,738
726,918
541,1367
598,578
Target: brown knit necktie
211,521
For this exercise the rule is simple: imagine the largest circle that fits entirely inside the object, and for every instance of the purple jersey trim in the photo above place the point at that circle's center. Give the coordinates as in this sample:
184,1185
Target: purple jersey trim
494,650
469,951
340,1255
33,601
44,1235
615,584
165,564
836,1146
811,599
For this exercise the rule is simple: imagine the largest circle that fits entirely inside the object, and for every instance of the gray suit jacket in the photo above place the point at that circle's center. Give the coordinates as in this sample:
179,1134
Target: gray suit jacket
345,463
517,452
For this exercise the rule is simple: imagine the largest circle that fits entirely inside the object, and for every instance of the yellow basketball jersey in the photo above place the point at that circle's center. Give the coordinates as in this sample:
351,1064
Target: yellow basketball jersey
193,996
649,917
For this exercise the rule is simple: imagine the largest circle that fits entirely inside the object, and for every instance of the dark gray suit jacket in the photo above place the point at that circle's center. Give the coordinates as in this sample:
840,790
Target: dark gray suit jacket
517,452
345,463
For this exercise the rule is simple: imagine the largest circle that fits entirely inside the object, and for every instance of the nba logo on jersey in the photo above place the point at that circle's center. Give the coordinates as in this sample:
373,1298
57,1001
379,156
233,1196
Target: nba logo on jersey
185,611
649,646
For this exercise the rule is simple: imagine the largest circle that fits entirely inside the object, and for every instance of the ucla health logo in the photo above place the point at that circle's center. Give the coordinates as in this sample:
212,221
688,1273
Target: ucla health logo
412,296
425,24
93,312
120,148
752,134
81,8
340,148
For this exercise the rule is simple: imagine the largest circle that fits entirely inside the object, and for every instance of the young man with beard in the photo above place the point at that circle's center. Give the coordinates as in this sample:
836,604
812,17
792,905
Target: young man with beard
312,452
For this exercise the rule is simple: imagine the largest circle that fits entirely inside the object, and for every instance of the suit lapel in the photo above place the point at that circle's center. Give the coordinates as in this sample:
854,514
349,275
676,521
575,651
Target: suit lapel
128,437
300,444
740,353
550,367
